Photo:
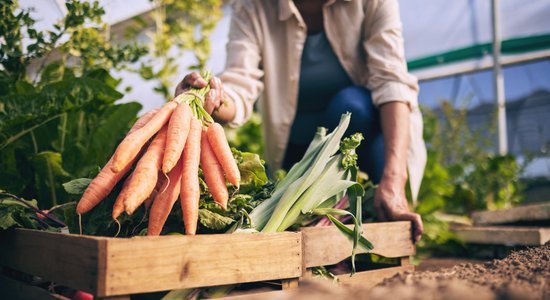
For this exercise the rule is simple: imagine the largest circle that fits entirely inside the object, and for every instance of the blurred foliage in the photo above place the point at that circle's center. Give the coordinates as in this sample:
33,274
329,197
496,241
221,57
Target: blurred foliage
80,35
249,137
480,178
179,27
64,123
462,174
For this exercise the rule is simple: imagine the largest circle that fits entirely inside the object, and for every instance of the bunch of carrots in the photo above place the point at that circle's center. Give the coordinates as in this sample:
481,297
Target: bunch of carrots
165,147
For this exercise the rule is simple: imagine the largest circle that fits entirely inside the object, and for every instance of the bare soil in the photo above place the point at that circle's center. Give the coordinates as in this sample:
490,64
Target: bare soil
522,275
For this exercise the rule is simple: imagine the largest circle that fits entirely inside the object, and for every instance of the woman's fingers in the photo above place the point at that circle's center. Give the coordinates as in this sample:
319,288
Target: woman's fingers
216,84
195,80
215,97
213,100
418,227
191,80
210,101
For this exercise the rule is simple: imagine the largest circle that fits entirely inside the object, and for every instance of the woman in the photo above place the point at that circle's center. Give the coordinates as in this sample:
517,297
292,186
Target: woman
309,61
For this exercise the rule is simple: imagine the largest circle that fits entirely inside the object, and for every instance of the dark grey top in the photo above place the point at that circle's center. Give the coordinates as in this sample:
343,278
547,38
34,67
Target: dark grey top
321,77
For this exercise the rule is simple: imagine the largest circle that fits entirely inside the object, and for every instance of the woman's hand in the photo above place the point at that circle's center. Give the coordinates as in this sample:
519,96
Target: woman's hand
213,100
389,199
390,204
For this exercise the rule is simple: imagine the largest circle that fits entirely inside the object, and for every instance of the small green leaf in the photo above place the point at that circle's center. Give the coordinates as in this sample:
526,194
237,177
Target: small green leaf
15,214
49,174
6,219
213,220
77,186
252,170
363,242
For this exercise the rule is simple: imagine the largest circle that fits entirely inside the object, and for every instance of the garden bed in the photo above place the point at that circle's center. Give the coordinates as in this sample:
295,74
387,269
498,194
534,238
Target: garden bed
522,275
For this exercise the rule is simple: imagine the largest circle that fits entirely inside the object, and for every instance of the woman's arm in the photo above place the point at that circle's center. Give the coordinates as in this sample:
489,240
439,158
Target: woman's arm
395,92
232,102
389,199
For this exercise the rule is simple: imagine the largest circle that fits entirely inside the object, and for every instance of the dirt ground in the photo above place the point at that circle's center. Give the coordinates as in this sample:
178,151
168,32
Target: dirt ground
522,275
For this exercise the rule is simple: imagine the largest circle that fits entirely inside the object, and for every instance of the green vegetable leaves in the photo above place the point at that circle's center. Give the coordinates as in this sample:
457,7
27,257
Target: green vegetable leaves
64,127
347,148
252,170
16,214
214,221
77,186
314,183
49,173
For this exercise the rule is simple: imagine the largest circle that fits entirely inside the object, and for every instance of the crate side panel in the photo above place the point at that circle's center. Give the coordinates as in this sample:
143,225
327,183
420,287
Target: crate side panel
533,212
163,263
66,259
504,235
327,245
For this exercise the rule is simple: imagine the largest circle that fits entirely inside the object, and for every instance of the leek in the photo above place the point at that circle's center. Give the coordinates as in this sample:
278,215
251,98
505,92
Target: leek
291,195
314,184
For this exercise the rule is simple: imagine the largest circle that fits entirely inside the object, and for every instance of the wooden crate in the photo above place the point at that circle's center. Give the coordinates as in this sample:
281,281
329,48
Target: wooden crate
323,246
109,267
115,266
523,213
327,246
503,235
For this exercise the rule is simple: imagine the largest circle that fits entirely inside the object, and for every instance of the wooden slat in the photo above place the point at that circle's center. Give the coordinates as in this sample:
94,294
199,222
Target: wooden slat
504,235
67,259
286,294
533,212
369,279
148,264
289,283
327,245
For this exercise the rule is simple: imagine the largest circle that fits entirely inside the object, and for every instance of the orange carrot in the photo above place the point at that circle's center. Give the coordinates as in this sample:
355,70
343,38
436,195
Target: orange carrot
159,187
190,189
106,180
213,172
220,147
145,175
143,120
129,148
164,201
178,128
118,207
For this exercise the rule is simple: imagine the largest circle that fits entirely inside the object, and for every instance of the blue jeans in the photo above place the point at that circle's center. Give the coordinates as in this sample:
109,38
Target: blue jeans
365,118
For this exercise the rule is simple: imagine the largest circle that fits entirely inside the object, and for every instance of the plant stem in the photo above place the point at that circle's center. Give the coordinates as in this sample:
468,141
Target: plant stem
51,218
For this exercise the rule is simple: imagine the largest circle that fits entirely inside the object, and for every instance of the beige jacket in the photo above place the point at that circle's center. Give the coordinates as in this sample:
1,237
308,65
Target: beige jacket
266,39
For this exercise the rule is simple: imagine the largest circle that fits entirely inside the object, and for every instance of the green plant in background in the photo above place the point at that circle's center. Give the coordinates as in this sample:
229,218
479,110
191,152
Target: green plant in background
63,123
249,137
179,27
80,35
481,179
60,121
462,175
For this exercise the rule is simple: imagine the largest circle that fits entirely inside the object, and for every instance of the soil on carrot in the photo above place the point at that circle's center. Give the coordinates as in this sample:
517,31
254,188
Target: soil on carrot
524,274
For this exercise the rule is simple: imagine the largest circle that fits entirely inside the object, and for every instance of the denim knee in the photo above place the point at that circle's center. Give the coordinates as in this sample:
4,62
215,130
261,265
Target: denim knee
358,101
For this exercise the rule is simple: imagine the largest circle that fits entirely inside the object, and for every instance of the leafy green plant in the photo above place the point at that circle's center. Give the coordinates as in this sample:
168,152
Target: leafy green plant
63,123
462,175
179,27
248,137
480,178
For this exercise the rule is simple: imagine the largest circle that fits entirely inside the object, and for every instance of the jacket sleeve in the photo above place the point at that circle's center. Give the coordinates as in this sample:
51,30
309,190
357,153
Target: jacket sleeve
388,78
242,76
